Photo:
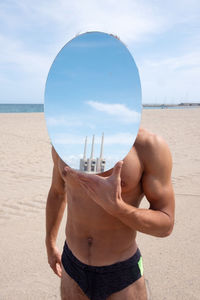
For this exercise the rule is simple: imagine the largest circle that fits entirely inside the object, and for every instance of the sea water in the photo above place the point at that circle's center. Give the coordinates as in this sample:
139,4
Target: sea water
28,108
21,108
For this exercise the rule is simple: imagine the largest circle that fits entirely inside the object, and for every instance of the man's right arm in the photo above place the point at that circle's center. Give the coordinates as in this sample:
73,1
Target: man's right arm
56,203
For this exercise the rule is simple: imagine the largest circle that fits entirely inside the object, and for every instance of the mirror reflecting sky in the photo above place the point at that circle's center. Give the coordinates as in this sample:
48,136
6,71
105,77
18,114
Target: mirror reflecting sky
93,90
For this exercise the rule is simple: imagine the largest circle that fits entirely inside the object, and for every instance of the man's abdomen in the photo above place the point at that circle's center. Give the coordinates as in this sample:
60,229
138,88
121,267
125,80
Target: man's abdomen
99,241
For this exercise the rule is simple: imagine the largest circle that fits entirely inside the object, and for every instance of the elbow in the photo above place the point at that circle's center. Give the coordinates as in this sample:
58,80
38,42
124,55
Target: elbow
168,229
166,233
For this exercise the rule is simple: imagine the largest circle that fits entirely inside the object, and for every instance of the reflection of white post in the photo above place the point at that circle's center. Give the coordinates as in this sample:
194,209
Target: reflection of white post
92,150
85,148
102,140
83,161
91,164
100,161
91,160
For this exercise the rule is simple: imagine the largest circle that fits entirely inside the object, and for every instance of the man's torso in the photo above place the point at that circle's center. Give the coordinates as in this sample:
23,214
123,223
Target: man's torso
94,236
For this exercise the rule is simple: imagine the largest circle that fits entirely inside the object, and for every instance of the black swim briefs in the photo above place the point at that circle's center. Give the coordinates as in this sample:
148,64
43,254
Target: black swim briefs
99,282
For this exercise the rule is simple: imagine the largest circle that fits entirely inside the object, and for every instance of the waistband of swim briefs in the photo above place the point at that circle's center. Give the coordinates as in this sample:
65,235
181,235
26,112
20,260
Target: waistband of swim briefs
102,269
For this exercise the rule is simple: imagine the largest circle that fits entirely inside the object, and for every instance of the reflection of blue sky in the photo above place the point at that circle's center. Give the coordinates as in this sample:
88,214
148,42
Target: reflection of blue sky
93,86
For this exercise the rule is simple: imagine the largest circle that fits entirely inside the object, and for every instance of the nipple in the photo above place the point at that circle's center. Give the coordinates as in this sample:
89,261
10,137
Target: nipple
64,173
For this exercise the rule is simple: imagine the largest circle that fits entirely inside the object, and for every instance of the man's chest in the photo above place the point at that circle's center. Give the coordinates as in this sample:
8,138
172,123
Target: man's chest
131,175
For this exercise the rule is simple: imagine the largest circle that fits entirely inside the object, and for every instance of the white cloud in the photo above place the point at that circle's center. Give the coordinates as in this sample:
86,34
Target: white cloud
23,72
32,33
171,80
120,111
129,19
13,53
188,60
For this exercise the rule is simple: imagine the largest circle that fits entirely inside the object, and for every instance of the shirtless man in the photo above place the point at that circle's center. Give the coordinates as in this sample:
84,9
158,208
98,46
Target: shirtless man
103,218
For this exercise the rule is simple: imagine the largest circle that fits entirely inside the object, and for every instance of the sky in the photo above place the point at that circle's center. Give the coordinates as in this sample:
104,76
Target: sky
93,87
163,37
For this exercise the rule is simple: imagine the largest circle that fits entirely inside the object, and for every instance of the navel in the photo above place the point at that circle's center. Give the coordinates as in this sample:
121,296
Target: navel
90,241
123,183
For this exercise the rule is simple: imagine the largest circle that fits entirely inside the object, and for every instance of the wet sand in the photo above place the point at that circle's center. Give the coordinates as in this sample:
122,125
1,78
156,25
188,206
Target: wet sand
171,265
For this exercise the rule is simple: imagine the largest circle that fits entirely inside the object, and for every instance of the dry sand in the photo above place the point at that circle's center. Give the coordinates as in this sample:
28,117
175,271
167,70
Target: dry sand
171,264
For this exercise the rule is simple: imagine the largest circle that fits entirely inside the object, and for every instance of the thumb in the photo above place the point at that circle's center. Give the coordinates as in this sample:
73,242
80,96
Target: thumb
117,170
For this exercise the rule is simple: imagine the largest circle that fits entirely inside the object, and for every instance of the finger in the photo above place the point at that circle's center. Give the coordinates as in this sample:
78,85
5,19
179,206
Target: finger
117,170
56,269
59,269
70,173
71,176
87,181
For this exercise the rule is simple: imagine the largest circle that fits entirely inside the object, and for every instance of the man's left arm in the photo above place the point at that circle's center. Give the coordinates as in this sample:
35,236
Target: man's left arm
158,220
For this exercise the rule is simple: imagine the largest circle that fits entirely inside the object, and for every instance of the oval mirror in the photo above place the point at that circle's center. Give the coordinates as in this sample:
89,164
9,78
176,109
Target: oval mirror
93,102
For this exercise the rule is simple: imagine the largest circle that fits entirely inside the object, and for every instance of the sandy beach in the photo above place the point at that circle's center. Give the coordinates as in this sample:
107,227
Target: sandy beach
171,265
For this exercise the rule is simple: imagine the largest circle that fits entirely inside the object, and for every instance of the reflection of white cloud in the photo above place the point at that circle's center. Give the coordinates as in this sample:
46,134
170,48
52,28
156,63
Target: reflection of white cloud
72,160
123,138
63,121
121,111
116,147
68,139
70,121
120,139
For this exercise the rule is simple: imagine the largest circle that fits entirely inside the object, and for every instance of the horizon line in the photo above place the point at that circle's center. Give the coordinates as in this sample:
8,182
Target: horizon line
143,104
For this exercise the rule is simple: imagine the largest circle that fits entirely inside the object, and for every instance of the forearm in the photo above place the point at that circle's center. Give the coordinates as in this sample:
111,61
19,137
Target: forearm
152,222
55,207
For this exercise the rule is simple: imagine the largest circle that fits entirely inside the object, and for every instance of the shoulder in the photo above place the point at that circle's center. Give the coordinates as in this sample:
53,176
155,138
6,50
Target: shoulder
152,150
148,140
55,156
57,181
